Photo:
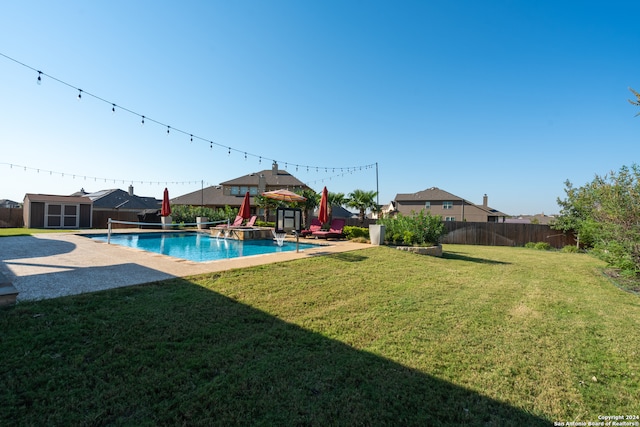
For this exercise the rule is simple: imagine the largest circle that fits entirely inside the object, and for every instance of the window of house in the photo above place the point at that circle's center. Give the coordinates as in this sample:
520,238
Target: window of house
447,205
235,190
253,191
427,205
449,218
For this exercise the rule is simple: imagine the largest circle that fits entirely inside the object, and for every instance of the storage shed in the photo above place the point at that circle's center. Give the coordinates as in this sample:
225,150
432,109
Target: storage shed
51,211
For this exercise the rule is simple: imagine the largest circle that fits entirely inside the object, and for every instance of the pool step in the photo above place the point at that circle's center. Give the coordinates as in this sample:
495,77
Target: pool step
8,293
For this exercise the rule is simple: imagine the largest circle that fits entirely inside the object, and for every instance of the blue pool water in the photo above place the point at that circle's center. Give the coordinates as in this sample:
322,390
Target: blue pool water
198,247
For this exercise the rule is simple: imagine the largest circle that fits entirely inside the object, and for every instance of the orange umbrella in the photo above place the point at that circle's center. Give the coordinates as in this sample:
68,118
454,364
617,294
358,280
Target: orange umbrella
245,207
166,207
323,211
284,195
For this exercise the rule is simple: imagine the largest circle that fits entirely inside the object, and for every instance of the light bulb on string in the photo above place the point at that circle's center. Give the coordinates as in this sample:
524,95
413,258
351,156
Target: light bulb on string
245,155
39,81
79,94
229,152
142,122
191,138
211,145
260,160
168,129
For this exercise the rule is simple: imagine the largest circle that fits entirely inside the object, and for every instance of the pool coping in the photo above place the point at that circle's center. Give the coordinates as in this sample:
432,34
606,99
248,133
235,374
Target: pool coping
52,265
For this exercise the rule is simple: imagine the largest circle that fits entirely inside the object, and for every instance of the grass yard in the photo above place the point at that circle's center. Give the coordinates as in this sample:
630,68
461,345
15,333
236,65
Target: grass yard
5,232
482,336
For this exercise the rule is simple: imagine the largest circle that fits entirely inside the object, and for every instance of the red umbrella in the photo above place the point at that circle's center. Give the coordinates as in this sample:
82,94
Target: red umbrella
245,207
166,207
323,212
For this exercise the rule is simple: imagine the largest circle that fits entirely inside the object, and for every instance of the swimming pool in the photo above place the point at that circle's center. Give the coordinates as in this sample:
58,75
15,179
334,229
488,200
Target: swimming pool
198,247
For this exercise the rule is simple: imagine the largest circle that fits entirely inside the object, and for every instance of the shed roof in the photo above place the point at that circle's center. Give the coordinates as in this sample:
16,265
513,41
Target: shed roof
52,198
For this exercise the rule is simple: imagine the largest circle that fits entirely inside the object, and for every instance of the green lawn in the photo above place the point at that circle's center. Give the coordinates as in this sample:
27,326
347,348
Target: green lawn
22,231
482,336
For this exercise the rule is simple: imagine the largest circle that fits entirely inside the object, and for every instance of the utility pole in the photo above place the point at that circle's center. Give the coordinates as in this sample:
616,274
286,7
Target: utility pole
377,189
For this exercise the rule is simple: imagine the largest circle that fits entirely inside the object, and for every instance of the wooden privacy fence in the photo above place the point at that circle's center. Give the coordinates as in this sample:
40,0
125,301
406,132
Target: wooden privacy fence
504,234
11,217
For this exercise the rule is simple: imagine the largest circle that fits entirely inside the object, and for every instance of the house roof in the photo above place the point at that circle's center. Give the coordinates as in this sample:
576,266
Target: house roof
433,193
267,179
56,199
206,196
273,178
120,199
7,202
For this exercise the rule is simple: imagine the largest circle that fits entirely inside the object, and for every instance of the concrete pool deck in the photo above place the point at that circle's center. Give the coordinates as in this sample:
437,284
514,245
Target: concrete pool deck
52,265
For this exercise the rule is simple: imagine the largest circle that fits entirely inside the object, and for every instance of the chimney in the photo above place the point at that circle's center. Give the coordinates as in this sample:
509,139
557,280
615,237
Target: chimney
262,183
274,168
485,201
131,190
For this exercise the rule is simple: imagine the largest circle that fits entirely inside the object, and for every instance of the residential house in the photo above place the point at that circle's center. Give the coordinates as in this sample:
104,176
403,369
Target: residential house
121,205
10,204
231,193
447,205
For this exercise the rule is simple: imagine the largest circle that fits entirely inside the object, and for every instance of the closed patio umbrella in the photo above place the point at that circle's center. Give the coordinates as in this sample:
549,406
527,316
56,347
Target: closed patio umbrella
166,207
323,211
245,207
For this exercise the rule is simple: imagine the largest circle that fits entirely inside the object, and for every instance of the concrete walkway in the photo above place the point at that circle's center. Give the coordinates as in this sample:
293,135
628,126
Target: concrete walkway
58,264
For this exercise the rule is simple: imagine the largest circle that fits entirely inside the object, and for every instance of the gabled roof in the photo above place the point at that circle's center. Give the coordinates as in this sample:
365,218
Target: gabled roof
120,199
433,193
205,196
278,178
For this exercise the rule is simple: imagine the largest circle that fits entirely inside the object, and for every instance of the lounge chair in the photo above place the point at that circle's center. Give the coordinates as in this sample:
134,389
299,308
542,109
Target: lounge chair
236,222
315,225
251,221
334,232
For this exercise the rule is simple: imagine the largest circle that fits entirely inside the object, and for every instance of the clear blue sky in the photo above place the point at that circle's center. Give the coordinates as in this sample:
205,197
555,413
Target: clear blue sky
507,98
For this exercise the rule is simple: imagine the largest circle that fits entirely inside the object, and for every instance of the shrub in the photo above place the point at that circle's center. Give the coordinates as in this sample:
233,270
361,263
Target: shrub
416,229
188,214
530,245
351,232
570,249
543,246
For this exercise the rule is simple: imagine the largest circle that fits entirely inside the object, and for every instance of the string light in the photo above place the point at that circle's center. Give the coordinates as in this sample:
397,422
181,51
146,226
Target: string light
143,118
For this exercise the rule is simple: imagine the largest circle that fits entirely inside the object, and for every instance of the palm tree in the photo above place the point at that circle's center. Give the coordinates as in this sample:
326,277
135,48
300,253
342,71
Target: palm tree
334,199
267,204
312,202
362,200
